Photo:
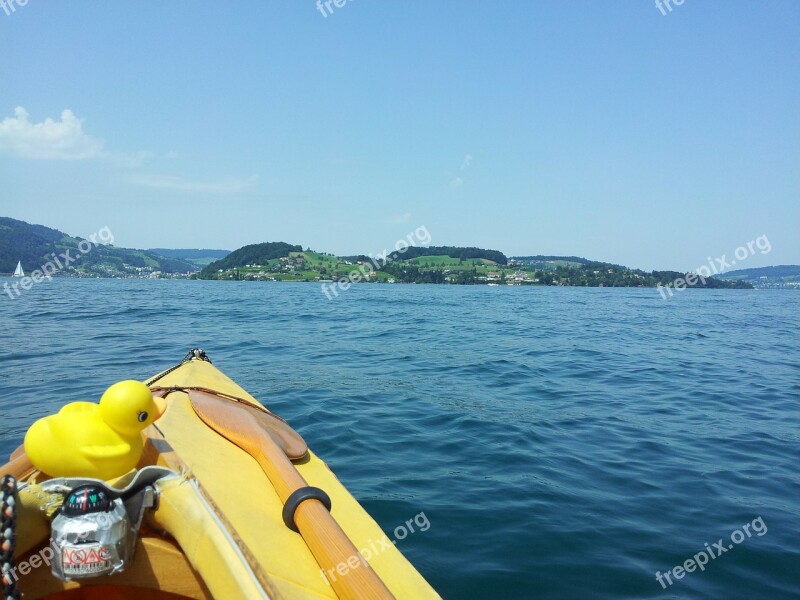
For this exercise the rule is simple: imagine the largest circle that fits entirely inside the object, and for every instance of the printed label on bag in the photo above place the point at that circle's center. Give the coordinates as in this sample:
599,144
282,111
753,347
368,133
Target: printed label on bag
86,559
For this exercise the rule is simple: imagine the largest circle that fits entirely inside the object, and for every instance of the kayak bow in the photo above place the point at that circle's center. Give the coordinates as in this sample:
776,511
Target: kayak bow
220,526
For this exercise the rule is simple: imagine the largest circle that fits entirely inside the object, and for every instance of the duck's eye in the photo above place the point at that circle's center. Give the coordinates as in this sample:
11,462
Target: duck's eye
142,416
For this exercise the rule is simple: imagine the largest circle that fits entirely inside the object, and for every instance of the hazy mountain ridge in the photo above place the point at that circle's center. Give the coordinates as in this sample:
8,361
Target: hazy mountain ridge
778,276
36,245
201,257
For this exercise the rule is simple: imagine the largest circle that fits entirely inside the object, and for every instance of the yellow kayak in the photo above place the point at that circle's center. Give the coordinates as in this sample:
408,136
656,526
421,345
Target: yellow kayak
208,513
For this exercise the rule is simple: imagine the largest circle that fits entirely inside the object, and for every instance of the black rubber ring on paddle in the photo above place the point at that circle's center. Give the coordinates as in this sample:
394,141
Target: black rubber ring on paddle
299,496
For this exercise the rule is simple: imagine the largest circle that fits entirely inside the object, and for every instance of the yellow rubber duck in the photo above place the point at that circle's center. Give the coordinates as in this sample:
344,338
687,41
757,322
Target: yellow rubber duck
101,441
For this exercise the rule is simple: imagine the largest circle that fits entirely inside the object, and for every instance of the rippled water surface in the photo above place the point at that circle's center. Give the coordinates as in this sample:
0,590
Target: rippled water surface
563,443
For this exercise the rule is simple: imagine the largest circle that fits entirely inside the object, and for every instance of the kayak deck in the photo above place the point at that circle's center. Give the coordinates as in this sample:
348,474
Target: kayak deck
226,517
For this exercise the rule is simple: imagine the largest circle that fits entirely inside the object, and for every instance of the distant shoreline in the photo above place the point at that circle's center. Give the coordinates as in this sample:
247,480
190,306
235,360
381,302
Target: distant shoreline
180,277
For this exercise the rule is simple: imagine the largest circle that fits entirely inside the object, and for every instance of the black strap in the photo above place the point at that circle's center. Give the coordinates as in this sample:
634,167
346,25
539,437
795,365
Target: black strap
7,537
299,496
197,353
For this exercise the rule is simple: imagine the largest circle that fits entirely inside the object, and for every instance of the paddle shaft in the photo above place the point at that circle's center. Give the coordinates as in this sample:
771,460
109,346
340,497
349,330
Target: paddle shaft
348,573
333,550
19,466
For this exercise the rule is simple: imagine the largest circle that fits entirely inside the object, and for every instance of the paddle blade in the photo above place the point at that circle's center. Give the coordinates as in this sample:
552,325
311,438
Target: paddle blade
238,421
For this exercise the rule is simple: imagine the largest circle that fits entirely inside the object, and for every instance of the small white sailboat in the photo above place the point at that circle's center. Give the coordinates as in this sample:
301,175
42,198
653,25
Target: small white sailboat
18,272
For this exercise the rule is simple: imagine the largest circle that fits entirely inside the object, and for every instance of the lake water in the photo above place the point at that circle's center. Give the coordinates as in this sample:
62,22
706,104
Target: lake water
562,442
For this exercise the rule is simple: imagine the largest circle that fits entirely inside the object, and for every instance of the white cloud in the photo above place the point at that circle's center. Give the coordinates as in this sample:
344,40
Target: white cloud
57,140
171,182
130,161
466,162
457,182
66,140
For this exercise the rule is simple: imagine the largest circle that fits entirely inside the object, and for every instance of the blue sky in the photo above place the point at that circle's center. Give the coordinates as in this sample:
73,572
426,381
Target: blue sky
599,129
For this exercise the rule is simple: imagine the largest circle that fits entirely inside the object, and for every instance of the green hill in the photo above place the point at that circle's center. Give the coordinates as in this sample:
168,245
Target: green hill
20,241
459,252
254,254
36,245
541,261
279,261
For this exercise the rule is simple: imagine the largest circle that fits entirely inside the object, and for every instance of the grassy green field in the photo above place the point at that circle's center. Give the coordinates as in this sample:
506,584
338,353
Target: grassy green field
552,264
481,266
449,262
314,266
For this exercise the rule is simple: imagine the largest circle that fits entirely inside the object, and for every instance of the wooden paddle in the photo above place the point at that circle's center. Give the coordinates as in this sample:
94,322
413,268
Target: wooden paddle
288,440
331,547
18,465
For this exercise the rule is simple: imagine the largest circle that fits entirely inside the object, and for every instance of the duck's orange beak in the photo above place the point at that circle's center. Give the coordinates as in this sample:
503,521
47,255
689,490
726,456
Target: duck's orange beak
161,406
